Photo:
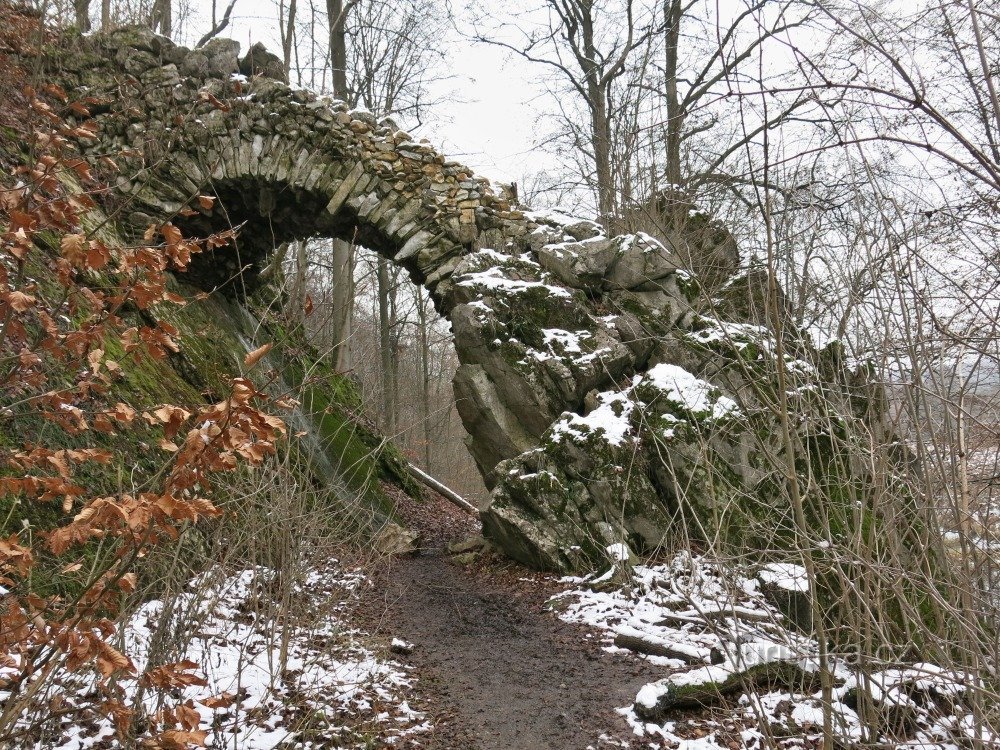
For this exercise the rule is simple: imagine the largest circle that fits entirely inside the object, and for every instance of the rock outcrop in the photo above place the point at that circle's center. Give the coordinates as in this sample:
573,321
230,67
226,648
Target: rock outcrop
605,402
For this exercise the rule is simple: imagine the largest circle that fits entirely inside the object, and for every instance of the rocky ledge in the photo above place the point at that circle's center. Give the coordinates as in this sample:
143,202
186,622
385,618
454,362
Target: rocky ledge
608,399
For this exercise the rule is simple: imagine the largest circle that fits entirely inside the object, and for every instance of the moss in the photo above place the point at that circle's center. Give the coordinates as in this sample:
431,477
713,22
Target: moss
211,353
532,310
689,285
134,460
210,349
332,403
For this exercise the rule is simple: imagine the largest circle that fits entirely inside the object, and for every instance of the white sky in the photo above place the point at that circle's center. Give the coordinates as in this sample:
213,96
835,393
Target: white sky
492,124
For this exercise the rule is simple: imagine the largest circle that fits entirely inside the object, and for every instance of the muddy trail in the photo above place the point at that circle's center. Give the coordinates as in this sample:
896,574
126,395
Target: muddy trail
496,668
501,672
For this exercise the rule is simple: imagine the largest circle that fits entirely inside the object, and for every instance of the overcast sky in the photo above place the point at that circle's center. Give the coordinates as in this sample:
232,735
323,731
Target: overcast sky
492,123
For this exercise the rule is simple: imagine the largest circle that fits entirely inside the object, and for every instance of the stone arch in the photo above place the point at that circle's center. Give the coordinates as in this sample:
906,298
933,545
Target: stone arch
338,174
593,391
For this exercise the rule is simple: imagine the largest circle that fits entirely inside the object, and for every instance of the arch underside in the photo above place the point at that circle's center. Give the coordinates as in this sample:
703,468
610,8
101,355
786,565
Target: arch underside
560,329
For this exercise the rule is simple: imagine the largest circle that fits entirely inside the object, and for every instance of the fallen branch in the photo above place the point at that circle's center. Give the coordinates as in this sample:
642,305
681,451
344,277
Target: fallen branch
702,616
426,479
640,643
656,700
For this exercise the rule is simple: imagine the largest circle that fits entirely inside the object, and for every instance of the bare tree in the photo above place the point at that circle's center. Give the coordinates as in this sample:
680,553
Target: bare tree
218,24
81,10
396,56
658,84
388,326
161,17
588,45
337,12
704,72
286,27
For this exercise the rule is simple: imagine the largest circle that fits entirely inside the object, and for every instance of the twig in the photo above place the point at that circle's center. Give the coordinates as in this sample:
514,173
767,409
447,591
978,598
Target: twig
217,29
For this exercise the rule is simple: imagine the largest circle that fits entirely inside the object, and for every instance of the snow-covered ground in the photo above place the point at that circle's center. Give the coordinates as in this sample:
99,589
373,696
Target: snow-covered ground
306,680
715,629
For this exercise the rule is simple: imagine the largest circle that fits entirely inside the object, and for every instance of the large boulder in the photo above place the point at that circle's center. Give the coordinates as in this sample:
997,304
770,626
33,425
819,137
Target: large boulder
641,263
259,62
218,58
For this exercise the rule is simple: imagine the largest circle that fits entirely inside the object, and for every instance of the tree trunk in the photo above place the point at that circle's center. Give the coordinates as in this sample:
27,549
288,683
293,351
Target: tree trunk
387,355
338,47
299,289
287,29
343,303
601,128
425,375
105,15
160,18
81,10
672,11
445,492
600,125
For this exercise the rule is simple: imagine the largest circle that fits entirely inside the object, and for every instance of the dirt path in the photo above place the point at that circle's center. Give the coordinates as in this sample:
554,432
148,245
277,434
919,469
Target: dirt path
499,671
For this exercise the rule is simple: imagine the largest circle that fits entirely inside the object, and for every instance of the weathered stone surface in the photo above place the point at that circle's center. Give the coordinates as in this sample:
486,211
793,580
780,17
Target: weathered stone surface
259,62
394,540
219,58
641,263
701,245
603,408
582,265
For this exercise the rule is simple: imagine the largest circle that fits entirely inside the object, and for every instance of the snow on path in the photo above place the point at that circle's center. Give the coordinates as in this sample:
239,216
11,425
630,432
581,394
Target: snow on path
331,687
721,622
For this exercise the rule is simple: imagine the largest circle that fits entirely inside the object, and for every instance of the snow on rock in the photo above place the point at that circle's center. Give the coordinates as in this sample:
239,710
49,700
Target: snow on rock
494,279
612,417
787,576
574,226
570,347
610,420
753,342
693,394
719,616
399,646
497,256
646,243
618,552
331,689
569,341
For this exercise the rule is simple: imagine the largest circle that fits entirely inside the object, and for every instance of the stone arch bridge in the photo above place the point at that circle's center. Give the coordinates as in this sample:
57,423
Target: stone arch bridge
603,405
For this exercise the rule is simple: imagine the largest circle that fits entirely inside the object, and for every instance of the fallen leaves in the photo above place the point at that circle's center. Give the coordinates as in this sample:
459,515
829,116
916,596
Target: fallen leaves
66,346
74,248
19,301
256,355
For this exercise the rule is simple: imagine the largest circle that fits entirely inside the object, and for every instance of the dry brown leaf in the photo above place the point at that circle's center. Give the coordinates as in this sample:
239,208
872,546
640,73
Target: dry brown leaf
256,355
168,446
20,301
74,248
94,358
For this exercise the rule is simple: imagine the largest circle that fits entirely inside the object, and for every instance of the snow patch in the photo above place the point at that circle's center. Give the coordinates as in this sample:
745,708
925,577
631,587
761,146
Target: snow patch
703,610
494,278
787,576
229,626
610,420
697,396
